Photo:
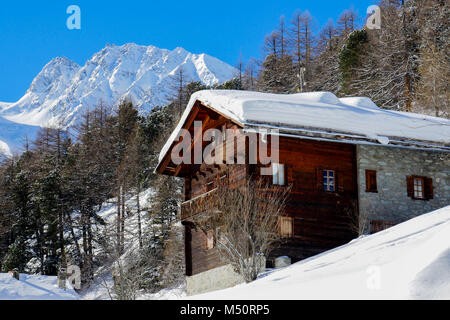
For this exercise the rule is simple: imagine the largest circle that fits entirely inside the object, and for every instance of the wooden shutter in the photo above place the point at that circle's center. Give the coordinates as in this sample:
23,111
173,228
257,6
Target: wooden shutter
371,181
428,186
319,179
410,186
380,225
287,174
286,227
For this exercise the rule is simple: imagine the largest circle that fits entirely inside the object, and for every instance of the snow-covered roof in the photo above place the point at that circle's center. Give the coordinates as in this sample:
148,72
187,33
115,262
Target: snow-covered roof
357,116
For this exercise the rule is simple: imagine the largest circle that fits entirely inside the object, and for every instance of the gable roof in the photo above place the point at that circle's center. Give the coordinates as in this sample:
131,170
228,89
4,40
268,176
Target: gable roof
322,115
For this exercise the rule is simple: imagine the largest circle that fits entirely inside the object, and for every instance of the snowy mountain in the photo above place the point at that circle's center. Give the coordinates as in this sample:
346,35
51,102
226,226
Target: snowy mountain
143,74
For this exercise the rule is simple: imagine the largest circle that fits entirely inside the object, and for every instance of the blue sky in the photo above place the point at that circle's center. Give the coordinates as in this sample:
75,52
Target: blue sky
34,32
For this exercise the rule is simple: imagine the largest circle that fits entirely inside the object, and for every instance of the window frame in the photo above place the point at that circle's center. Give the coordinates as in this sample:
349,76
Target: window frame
282,222
422,188
426,186
326,180
280,167
371,185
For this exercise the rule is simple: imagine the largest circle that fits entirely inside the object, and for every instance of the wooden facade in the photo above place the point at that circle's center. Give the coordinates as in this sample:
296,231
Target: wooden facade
317,219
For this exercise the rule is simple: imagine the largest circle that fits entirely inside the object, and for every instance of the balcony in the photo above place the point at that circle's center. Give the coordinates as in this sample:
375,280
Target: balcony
202,203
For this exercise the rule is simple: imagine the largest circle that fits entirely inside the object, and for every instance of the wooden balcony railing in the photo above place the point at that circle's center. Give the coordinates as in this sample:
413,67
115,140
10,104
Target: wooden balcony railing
199,204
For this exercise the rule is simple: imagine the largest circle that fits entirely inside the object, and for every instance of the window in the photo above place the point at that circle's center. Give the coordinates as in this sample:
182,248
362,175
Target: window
329,180
278,174
286,227
371,181
380,225
420,188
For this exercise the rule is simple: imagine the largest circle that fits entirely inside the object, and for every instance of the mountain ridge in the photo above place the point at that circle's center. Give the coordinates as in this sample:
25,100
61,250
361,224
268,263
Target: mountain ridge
145,75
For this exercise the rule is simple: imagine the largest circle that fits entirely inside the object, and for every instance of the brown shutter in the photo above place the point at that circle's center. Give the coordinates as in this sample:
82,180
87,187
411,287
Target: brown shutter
428,184
410,186
371,181
367,181
339,181
286,227
319,179
287,174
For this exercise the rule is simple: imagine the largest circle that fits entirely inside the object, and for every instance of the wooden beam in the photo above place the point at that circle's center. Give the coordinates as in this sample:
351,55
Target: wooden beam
190,119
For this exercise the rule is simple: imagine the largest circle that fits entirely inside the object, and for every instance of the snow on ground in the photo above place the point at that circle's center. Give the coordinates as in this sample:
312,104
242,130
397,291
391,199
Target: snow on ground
4,149
13,136
33,287
165,294
408,261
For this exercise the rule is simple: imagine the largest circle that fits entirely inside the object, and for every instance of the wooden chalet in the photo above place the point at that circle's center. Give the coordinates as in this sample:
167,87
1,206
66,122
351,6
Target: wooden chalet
319,136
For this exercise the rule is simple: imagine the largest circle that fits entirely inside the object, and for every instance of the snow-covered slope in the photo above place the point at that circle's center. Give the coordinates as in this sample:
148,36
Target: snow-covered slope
408,261
142,74
4,105
98,290
13,136
33,287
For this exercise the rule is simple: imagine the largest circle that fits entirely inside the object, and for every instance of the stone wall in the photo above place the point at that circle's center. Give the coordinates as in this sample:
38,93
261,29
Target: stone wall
216,279
211,280
393,165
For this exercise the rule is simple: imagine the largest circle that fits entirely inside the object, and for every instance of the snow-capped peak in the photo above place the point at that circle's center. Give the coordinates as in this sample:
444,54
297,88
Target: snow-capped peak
142,74
58,69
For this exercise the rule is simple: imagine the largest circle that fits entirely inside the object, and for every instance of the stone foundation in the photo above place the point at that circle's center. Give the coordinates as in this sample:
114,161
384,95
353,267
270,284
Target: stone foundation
211,280
215,279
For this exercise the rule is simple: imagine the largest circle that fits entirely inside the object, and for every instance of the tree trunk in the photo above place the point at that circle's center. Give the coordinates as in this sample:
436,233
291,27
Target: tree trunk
138,205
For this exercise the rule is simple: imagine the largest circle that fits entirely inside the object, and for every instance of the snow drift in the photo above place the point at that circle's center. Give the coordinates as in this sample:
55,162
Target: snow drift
13,136
33,287
408,261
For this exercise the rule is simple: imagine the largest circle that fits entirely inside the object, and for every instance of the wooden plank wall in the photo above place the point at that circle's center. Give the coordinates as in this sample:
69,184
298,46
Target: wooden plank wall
321,219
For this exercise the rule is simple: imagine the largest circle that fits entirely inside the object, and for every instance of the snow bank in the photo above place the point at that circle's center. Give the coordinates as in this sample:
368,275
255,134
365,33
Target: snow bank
33,287
322,110
13,136
4,149
408,261
166,294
